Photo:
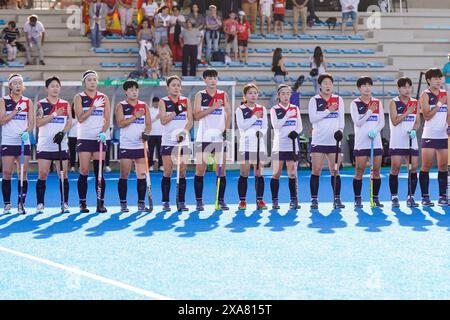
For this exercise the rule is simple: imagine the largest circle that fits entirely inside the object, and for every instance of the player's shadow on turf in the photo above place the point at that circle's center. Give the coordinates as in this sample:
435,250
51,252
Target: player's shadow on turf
159,223
7,218
278,222
372,222
114,223
443,220
26,225
327,224
416,219
241,221
194,224
68,225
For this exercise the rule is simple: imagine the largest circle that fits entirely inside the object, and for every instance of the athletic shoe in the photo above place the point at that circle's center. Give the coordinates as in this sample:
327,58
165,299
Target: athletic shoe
7,208
337,204
242,205
141,207
40,208
108,169
83,207
442,202
294,204
166,206
377,202
358,202
223,205
21,209
261,205
314,203
395,202
411,203
182,207
124,207
151,168
65,208
199,206
72,169
161,168
275,204
101,209
426,202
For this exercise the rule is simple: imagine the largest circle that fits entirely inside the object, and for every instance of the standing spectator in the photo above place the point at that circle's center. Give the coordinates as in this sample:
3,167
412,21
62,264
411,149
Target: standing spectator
299,8
279,70
73,141
318,66
312,13
144,38
3,4
162,22
250,7
213,25
265,14
243,35
226,6
177,20
201,4
198,20
154,141
165,56
150,8
191,40
126,10
349,10
279,10
97,13
446,72
230,27
151,68
34,33
9,36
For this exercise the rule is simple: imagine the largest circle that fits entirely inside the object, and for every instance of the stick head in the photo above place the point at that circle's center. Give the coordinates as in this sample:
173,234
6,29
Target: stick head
258,134
338,135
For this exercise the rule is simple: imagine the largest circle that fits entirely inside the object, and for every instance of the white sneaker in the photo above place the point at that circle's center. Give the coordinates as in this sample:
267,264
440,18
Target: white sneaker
72,169
108,169
151,168
40,208
65,208
7,209
21,209
161,168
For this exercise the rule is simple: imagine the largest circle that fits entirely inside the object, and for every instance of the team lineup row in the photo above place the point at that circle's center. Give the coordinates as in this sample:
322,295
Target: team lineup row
211,107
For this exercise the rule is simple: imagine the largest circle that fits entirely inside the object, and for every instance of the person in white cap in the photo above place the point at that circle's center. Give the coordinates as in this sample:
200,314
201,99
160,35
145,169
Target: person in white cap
243,33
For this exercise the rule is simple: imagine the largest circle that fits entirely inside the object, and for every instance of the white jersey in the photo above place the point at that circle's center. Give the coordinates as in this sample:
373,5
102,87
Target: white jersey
211,127
171,129
324,122
364,121
74,130
92,126
248,124
156,123
283,125
436,127
130,136
12,129
47,132
399,138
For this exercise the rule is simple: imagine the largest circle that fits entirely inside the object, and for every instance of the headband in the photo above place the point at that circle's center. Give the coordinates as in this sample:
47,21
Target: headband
282,86
89,73
15,77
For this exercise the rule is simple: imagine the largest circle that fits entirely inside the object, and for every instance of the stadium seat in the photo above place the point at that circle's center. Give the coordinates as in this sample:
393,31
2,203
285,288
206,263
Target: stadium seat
263,50
102,50
14,64
308,93
2,22
350,79
217,64
263,79
298,50
342,65
178,64
250,50
323,37
289,37
305,37
367,51
256,37
350,51
376,64
268,93
332,51
345,93
235,64
267,64
226,78
109,64
254,64
129,37
304,64
134,50
120,50
291,64
127,65
244,78
378,93
190,78
385,78
272,36
357,37
285,50
239,93
113,37
359,65
340,37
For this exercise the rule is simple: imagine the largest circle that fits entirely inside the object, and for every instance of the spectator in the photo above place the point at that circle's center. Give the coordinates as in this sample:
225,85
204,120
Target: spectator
213,25
198,20
73,141
34,33
150,8
250,7
279,10
201,4
243,35
226,6
265,14
191,40
126,10
176,22
162,22
165,56
279,70
3,4
97,13
152,65
154,142
9,35
349,10
299,8
312,13
446,72
318,66
230,27
144,38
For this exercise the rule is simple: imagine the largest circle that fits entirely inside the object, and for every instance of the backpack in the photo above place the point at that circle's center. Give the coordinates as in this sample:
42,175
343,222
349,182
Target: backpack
218,56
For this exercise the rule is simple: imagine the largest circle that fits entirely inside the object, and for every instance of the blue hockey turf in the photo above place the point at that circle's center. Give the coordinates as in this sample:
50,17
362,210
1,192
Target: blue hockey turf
284,254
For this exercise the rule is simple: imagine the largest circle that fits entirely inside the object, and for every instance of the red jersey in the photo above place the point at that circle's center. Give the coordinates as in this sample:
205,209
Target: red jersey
243,30
279,6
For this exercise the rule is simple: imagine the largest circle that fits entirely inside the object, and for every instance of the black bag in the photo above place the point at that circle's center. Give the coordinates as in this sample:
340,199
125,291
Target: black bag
314,72
218,56
331,22
130,31
20,47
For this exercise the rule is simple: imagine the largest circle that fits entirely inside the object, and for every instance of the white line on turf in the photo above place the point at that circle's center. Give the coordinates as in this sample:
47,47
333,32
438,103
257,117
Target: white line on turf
89,275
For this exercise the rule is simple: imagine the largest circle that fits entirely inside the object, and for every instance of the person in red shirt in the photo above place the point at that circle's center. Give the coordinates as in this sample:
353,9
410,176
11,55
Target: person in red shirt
243,34
279,10
230,28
